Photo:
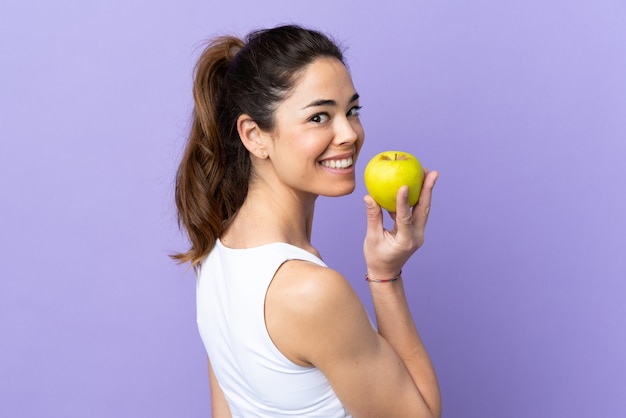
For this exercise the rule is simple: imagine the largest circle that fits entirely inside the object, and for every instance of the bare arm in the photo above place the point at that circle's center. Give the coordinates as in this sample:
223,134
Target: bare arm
396,326
219,406
385,254
315,318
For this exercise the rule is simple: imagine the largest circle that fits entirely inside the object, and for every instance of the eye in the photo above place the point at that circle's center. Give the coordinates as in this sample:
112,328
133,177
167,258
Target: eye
320,118
354,111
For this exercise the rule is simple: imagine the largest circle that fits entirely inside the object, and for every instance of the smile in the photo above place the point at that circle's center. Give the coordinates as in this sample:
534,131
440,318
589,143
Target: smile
343,163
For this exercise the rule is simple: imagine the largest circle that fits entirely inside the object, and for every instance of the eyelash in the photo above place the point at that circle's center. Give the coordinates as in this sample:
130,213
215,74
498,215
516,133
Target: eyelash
354,111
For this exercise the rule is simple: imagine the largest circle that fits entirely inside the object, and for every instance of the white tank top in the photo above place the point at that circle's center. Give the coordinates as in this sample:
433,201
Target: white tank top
256,378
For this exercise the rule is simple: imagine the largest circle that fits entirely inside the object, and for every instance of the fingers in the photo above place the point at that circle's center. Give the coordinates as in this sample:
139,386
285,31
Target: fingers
374,215
422,209
403,211
411,222
407,221
427,188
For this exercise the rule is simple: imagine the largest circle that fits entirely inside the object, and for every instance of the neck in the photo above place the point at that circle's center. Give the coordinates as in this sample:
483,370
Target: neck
270,215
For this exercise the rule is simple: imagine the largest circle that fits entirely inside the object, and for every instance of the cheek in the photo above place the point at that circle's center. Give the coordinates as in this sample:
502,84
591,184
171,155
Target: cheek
312,146
299,154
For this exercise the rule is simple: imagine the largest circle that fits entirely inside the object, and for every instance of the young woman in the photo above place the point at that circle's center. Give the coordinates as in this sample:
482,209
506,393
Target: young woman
276,124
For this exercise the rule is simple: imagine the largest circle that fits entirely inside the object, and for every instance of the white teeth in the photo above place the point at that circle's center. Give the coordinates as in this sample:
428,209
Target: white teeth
345,163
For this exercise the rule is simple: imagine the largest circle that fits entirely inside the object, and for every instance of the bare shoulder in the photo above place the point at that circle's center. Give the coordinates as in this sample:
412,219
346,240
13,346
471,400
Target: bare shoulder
315,318
309,285
306,301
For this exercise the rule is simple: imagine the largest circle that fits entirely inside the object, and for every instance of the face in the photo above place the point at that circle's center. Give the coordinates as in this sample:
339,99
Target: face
318,134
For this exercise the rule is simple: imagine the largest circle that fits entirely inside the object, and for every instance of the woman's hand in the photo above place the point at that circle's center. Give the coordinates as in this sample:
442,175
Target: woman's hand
385,250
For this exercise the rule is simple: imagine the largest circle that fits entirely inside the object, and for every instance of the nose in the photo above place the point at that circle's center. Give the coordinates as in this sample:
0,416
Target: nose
347,131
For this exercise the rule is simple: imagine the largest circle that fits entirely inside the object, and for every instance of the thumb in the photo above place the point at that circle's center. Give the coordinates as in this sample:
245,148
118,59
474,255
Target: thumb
374,214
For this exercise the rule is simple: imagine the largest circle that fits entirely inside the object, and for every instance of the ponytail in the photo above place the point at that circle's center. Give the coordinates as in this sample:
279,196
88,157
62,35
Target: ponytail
234,78
199,195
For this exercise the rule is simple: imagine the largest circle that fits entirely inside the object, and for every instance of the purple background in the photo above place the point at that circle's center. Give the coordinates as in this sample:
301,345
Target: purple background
519,291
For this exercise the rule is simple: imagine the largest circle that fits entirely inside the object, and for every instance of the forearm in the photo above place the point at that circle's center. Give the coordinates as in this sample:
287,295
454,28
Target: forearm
396,325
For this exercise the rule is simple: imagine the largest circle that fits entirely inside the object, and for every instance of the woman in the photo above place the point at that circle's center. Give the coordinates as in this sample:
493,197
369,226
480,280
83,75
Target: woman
276,124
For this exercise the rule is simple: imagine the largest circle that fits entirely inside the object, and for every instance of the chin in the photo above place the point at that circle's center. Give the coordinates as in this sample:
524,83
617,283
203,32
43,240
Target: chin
340,191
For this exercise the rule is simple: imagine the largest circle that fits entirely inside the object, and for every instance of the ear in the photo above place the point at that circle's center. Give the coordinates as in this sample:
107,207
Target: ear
252,136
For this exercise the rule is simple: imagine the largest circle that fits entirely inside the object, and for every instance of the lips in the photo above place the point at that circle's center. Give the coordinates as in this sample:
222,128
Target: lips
340,163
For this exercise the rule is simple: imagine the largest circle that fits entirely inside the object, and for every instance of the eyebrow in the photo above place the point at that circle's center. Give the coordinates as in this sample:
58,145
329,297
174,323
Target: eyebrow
329,102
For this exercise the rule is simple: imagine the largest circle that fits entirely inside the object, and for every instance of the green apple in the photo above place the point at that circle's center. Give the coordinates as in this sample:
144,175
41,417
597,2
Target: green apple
390,170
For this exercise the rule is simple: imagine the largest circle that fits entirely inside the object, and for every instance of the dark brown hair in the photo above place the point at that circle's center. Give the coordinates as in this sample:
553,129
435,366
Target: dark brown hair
233,77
